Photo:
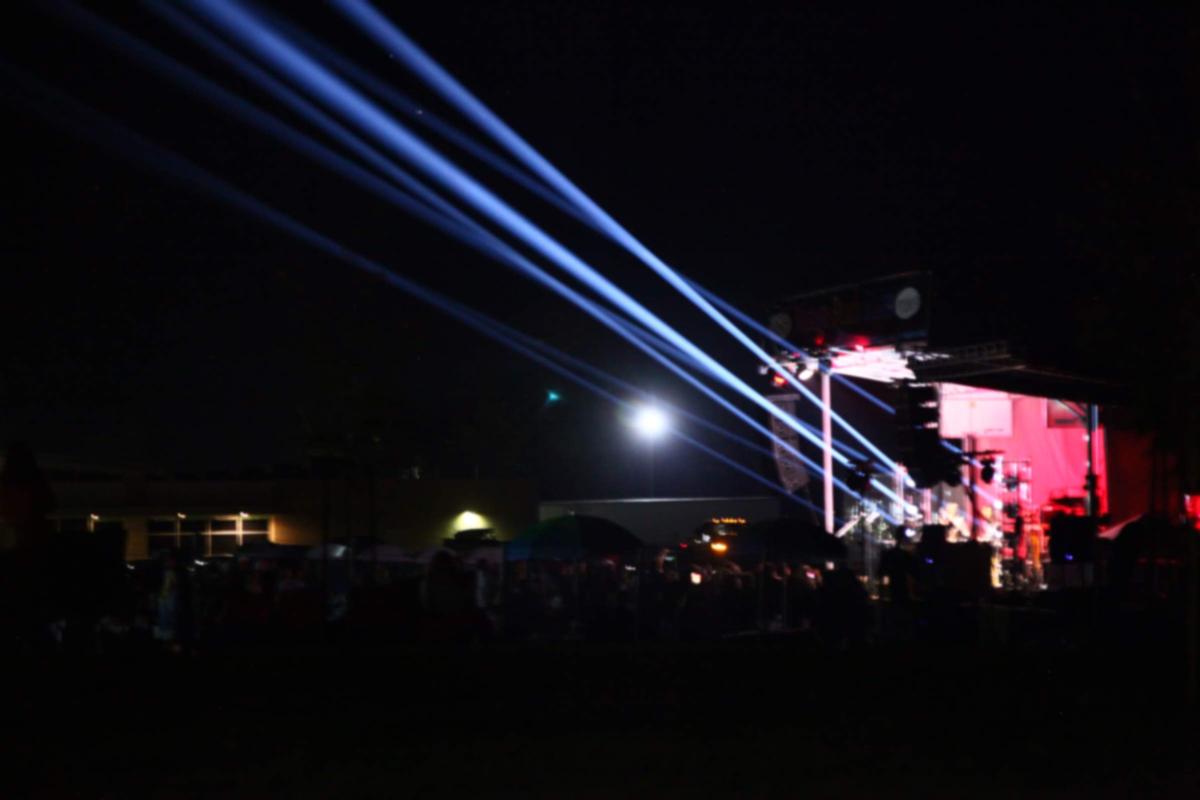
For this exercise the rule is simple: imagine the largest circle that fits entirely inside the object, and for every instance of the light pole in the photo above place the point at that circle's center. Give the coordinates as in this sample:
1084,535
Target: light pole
827,443
651,424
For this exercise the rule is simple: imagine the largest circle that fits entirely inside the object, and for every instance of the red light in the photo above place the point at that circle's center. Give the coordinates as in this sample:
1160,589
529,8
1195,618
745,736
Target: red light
1191,505
683,545
778,380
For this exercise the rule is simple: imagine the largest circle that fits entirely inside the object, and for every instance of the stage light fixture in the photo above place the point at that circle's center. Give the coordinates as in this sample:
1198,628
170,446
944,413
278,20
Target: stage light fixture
651,422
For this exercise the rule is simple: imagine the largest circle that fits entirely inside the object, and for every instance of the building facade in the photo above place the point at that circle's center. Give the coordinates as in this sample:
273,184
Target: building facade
217,517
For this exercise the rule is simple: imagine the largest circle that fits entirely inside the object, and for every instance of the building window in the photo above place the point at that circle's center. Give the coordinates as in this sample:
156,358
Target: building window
206,536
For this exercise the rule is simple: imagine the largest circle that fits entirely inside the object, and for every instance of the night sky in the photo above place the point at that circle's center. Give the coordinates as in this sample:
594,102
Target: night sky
1036,153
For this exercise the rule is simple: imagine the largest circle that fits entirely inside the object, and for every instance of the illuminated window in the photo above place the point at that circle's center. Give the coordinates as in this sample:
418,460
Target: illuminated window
160,526
194,525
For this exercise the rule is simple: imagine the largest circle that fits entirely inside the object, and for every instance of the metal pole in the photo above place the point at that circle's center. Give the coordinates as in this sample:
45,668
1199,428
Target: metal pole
1093,499
973,505
827,448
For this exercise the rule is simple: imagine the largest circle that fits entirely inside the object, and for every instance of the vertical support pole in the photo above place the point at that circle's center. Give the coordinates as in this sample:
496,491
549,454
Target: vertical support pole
972,487
899,509
927,506
1093,499
827,444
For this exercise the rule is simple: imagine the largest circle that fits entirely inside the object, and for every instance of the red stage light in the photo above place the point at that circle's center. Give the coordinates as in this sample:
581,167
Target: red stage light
1191,506
778,380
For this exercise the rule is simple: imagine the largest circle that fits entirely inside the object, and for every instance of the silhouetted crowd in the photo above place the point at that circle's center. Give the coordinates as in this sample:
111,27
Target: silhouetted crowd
182,604
63,597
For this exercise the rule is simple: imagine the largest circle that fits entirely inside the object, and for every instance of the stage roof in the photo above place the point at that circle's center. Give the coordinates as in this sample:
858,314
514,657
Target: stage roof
912,327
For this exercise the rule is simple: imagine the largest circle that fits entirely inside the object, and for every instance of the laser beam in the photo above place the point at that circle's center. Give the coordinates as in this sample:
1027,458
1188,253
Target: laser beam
336,93
407,51
133,146
450,220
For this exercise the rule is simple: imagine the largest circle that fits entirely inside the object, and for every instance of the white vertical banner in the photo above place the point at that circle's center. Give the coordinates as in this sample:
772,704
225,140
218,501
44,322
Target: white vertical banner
792,473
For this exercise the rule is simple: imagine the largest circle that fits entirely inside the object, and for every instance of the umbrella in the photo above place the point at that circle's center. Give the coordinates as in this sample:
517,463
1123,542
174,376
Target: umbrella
572,538
272,551
786,539
386,554
316,553
1113,532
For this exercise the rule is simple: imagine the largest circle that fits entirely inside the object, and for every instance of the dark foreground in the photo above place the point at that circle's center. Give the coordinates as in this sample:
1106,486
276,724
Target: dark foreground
736,719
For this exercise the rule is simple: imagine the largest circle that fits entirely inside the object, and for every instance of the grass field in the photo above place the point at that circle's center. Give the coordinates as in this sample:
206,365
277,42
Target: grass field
751,719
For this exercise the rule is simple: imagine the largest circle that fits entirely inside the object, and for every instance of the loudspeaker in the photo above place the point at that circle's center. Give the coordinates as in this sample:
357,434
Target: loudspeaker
933,537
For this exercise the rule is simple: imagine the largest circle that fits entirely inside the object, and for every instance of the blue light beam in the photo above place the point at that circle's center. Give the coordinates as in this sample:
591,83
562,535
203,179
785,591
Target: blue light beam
407,51
336,93
135,147
450,221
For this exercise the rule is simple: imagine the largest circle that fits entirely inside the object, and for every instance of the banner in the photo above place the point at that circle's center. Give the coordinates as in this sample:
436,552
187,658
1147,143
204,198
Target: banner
792,473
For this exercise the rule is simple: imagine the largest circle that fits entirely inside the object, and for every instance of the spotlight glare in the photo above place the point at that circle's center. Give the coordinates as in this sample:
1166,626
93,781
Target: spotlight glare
650,422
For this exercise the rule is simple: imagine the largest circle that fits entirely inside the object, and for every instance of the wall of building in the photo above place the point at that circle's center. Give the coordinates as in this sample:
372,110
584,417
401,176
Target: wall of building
411,513
417,514
666,521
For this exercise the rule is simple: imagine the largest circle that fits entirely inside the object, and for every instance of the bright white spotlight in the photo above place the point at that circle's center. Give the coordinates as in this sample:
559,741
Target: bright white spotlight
651,422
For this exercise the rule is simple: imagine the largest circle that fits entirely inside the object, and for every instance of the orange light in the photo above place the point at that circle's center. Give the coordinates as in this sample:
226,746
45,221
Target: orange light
778,380
719,547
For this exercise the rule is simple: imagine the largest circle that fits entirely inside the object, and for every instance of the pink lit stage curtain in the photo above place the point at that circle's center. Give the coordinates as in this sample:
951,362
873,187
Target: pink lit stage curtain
1058,455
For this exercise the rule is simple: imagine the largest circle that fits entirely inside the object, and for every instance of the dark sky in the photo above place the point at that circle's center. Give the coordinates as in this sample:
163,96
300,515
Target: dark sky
761,148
